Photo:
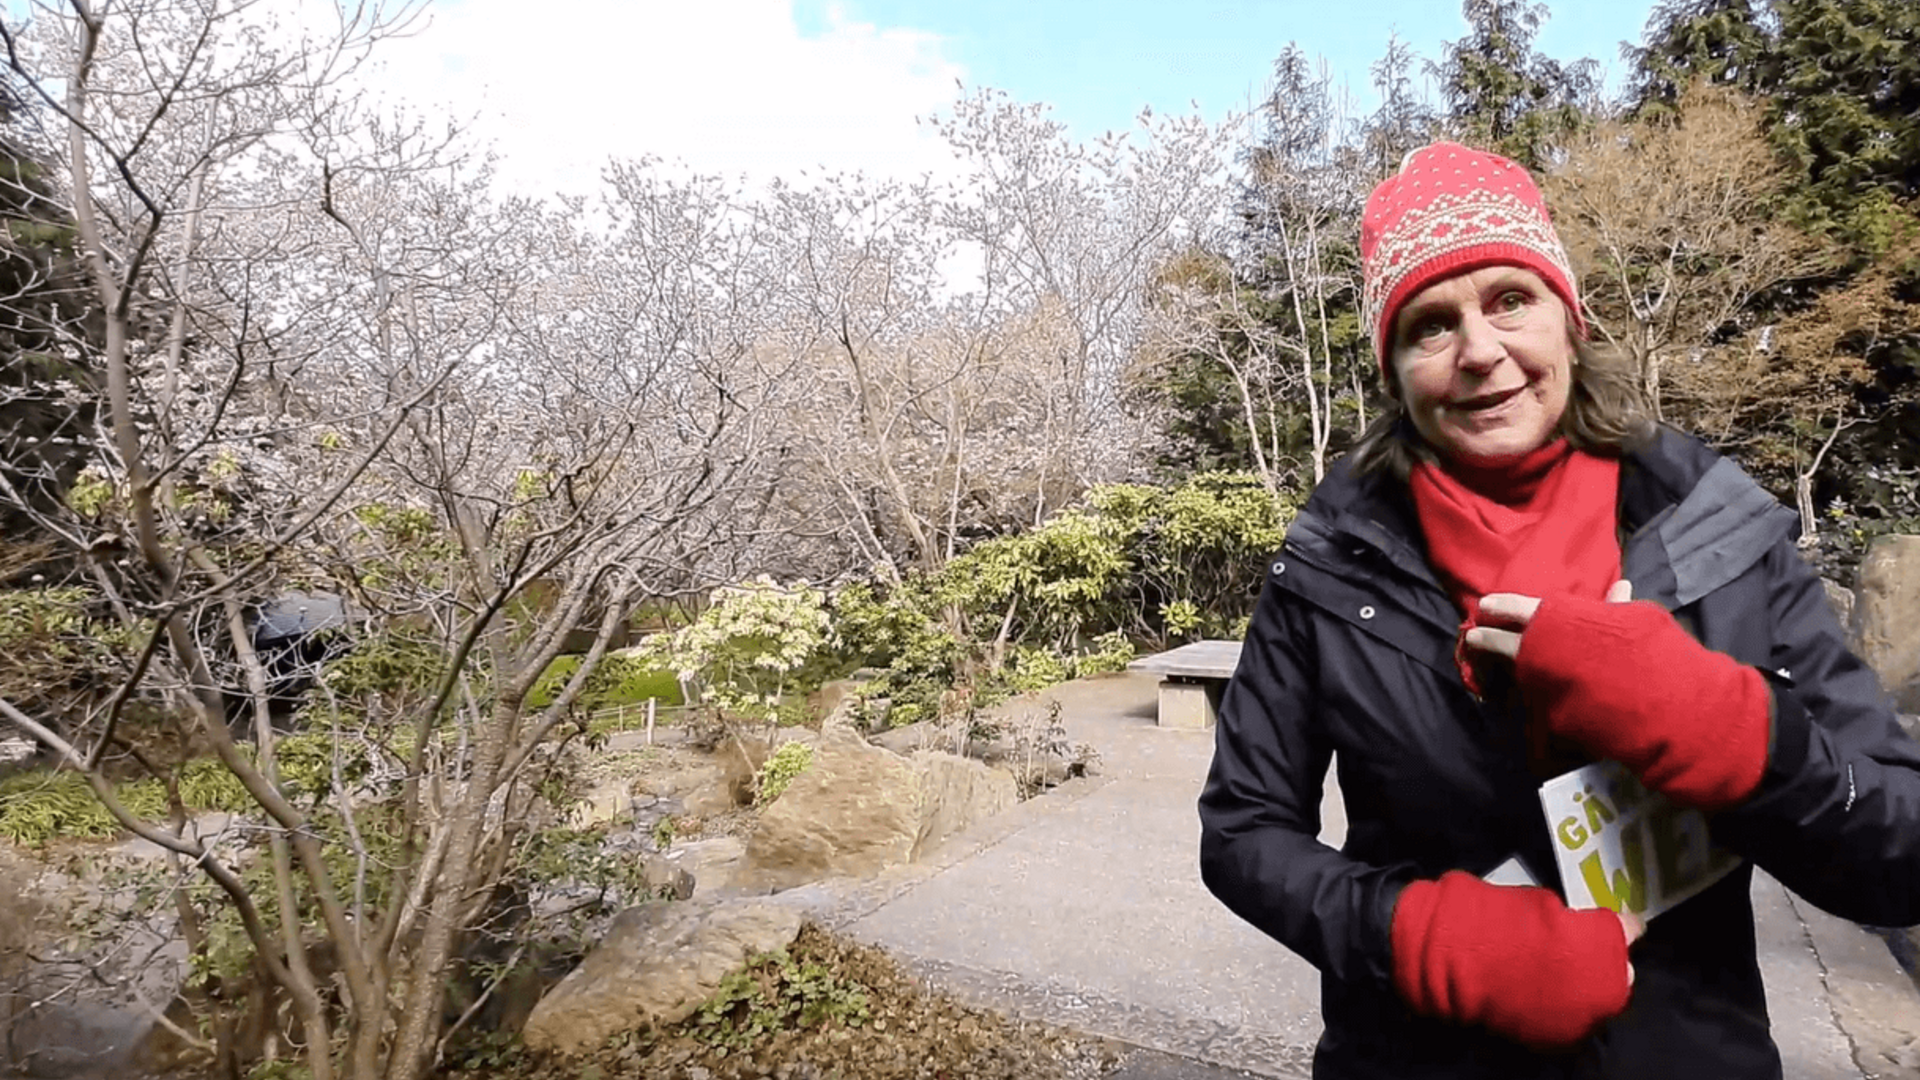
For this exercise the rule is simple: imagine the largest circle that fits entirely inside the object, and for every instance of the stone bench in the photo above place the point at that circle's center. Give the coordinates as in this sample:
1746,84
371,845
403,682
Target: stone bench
1192,678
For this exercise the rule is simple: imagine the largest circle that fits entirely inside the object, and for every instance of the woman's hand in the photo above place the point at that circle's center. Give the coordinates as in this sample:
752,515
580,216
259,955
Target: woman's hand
1626,681
1512,959
1516,611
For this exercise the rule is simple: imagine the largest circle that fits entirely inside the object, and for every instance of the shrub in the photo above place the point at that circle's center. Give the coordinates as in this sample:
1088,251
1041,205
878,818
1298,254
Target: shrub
41,805
747,646
1066,599
773,777
621,679
1035,669
1111,652
773,993
37,806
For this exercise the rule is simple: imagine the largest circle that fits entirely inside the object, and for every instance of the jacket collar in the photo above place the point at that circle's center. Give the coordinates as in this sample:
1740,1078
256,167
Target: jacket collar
1690,521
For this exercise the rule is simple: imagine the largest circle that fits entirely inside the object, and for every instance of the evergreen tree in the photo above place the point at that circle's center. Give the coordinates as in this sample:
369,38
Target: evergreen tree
1404,122
1843,81
1725,43
49,327
1502,94
1845,86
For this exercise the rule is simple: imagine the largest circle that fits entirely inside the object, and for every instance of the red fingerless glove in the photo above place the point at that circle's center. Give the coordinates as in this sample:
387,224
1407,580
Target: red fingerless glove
1514,960
1627,682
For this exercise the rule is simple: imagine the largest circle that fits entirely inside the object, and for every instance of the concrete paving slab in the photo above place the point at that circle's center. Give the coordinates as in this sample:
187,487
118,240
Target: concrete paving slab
1126,920
1874,1003
1085,908
1150,1065
1810,1040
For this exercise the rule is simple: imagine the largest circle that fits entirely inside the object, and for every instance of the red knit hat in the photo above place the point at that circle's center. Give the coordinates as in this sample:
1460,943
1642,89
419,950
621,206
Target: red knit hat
1452,209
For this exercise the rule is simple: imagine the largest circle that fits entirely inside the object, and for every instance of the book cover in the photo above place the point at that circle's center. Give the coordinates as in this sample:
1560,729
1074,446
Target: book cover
1623,847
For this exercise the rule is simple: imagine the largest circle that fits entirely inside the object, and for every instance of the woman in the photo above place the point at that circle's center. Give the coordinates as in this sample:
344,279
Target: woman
1516,574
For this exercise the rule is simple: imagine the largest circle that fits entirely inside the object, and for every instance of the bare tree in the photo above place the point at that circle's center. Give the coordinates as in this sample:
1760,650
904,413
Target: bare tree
1673,229
333,364
1274,309
1302,208
1083,228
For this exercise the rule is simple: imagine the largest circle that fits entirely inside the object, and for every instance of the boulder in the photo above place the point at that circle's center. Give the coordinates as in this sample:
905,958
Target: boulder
682,781
1035,768
648,811
859,809
956,792
1888,617
667,878
740,759
1840,598
853,812
713,864
840,696
919,735
609,803
715,798
657,965
843,719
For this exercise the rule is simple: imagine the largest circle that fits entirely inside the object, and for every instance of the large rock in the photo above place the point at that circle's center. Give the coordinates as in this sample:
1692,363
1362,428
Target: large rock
714,863
1888,617
657,965
1840,598
859,808
956,792
853,812
920,735
667,878
1036,768
740,758
836,699
608,803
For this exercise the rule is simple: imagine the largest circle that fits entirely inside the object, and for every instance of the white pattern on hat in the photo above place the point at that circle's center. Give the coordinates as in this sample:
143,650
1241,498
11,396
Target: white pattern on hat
1471,220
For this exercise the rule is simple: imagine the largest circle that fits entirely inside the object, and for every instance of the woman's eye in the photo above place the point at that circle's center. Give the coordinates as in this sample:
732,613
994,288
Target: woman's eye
1512,300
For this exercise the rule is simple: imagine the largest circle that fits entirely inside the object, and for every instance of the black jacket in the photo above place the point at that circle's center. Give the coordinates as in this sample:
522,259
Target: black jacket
1351,650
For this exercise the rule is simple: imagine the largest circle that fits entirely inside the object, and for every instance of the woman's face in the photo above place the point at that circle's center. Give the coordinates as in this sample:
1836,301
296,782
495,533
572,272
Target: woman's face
1484,362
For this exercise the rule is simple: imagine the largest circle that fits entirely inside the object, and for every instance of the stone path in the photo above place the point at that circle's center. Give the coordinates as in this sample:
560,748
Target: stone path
1085,908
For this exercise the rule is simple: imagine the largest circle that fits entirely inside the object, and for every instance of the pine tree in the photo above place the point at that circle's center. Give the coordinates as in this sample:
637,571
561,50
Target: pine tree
1503,95
1404,121
1725,43
1845,86
1843,81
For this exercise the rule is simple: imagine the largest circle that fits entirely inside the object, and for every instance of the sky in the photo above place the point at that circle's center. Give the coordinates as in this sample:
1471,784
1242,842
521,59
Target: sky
760,88
764,88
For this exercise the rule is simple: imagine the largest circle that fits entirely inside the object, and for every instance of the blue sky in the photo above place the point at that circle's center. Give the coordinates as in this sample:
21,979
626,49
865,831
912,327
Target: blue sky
765,88
1098,61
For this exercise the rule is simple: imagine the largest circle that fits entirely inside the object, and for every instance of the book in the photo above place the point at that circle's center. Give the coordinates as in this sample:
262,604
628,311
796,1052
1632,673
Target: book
1623,847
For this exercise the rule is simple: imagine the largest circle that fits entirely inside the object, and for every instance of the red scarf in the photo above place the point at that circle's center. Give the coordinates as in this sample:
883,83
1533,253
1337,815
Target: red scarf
1538,525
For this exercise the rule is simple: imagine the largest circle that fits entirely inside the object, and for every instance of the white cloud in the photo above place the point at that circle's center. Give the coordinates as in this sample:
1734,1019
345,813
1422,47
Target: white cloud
728,86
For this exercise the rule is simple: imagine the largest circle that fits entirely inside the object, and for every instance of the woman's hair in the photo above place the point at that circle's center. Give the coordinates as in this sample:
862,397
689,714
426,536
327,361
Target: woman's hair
1606,413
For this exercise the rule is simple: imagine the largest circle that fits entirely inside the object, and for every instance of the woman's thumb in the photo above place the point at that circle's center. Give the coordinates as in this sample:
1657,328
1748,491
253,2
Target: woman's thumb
1634,928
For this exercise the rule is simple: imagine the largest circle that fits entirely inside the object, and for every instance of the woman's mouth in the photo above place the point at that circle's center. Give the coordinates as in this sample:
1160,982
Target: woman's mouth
1483,404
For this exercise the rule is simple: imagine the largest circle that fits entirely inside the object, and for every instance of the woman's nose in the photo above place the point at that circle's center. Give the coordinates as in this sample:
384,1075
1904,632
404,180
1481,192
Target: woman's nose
1480,347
